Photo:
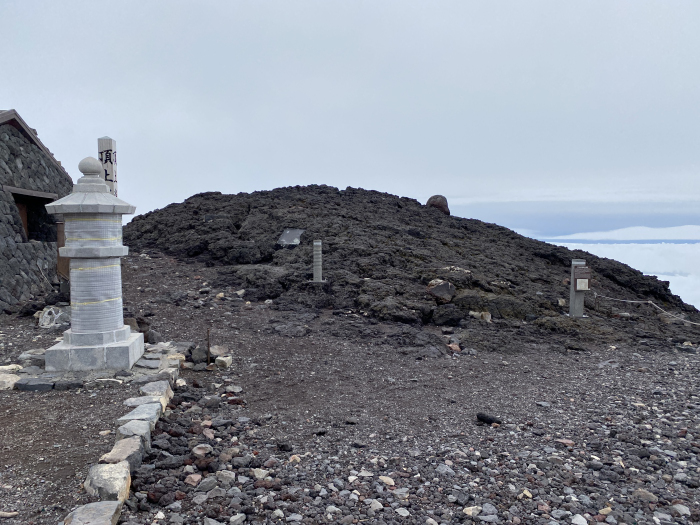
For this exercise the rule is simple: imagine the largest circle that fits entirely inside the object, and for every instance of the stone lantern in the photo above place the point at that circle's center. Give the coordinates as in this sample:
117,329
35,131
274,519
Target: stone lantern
97,338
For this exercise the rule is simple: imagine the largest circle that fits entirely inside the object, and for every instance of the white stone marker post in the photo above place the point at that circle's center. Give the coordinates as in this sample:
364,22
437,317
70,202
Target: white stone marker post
580,279
318,262
107,152
97,338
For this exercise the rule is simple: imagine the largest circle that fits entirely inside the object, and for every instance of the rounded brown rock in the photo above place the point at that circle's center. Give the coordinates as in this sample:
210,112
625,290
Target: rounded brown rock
439,202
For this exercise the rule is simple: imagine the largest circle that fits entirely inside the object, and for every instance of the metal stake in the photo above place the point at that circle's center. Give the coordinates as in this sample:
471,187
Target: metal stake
208,348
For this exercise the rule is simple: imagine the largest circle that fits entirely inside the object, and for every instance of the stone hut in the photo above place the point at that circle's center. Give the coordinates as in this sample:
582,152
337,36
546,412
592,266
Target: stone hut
30,178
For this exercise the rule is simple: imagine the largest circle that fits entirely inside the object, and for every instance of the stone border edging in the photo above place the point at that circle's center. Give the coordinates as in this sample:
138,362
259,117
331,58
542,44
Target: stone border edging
110,479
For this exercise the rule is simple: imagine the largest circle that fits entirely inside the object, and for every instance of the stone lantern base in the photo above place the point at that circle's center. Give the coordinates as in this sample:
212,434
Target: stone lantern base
97,351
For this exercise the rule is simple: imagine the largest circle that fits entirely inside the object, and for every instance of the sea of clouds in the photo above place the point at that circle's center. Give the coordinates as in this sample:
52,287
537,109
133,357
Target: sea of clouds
672,254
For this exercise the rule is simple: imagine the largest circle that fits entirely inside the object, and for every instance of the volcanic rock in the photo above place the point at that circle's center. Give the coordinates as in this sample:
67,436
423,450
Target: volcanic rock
380,253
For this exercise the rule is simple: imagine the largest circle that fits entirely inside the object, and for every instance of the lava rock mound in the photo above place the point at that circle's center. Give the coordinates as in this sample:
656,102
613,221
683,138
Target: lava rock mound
388,257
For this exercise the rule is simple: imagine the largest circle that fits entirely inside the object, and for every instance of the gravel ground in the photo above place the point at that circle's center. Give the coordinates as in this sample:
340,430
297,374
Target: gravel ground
48,440
581,433
599,422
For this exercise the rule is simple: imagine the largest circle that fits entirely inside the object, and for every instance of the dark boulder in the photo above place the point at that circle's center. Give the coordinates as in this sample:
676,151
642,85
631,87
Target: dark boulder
448,314
443,291
439,202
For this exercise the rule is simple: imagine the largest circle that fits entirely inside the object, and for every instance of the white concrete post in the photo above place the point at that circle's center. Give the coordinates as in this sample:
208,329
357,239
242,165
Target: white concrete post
98,338
107,153
318,262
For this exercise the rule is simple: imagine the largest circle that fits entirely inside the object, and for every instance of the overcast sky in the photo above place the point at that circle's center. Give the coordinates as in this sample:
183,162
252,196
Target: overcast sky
548,116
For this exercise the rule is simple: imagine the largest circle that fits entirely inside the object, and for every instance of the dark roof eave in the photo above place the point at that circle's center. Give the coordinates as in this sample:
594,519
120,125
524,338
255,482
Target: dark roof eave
12,118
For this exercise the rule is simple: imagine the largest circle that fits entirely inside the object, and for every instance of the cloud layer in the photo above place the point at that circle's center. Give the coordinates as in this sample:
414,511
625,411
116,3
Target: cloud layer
638,233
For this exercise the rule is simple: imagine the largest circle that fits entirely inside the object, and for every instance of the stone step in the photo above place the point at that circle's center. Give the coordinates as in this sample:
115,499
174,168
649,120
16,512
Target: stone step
99,513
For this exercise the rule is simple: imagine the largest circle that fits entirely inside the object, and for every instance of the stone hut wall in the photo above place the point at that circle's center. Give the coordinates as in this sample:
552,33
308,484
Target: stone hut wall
23,165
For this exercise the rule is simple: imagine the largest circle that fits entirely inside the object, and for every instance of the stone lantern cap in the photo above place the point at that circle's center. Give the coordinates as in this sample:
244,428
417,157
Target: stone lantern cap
90,194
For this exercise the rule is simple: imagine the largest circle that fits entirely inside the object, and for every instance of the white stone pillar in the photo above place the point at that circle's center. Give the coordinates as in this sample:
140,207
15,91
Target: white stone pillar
107,153
318,261
98,338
